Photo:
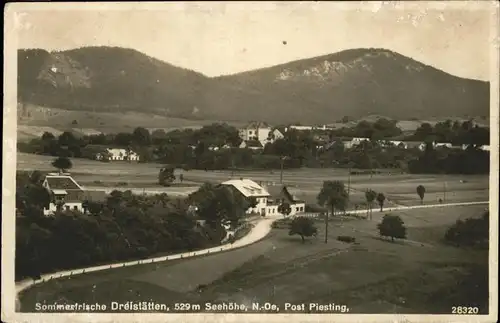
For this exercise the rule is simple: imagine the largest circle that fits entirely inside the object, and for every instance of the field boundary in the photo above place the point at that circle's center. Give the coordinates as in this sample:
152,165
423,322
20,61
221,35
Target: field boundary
258,232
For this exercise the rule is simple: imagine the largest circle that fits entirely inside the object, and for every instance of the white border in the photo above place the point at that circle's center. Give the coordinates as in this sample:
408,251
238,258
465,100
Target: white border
9,164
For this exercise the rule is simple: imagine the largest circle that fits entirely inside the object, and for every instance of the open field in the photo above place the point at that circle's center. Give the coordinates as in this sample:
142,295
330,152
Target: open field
88,122
33,117
400,189
376,276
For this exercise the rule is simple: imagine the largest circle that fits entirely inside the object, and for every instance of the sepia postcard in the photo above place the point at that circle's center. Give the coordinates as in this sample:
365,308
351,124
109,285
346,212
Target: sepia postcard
250,162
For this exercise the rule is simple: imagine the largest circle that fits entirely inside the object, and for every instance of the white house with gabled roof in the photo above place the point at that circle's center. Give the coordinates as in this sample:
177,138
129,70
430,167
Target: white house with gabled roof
249,188
266,203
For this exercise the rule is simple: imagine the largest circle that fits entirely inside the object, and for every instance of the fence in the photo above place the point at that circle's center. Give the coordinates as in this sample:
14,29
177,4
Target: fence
258,233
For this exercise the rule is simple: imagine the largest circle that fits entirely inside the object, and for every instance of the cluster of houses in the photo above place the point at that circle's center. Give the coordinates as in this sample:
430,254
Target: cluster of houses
256,135
352,142
67,195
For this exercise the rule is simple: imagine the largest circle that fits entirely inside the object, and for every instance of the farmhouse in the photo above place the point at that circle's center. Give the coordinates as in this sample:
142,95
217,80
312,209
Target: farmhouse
117,154
67,194
281,194
266,204
249,188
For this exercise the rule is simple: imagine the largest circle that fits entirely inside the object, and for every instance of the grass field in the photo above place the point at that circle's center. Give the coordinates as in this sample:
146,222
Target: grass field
400,189
57,121
421,275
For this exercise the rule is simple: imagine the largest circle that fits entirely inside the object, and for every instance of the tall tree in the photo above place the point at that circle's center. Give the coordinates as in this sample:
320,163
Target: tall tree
67,138
141,136
381,200
370,196
62,164
166,176
285,209
48,136
334,195
421,193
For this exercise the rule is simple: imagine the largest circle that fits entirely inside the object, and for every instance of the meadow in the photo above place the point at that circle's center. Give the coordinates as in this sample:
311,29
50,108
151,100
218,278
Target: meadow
420,275
90,122
399,189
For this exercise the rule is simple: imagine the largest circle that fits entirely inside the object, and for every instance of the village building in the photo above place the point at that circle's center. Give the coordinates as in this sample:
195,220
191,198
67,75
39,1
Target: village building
281,194
66,194
261,132
113,154
267,204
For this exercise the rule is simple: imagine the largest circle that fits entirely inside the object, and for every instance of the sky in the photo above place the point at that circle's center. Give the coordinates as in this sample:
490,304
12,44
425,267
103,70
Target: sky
226,38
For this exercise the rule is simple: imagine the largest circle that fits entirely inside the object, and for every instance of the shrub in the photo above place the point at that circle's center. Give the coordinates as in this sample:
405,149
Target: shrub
303,226
392,226
471,232
347,239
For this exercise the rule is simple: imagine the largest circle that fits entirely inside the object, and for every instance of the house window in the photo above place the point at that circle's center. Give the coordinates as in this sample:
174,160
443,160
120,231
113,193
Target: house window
250,132
67,207
75,208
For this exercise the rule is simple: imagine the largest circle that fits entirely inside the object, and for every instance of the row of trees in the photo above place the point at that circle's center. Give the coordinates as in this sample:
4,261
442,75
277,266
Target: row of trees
456,132
391,226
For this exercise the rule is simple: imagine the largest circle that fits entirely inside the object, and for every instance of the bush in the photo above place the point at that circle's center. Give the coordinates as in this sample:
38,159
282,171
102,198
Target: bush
303,226
471,232
392,226
347,239
122,184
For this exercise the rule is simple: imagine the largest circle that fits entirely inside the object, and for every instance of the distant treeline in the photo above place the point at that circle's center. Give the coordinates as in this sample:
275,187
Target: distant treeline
215,147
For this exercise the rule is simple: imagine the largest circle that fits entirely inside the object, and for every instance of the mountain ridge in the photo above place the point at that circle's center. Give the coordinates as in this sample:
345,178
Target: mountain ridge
353,82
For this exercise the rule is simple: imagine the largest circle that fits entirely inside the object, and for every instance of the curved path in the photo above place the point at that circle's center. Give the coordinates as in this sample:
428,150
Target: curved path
259,231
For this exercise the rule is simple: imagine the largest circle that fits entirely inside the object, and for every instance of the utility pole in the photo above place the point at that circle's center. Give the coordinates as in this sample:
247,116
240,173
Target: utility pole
326,226
281,172
349,181
444,192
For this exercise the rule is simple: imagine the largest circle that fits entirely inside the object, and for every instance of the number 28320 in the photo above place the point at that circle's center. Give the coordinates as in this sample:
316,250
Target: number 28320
464,310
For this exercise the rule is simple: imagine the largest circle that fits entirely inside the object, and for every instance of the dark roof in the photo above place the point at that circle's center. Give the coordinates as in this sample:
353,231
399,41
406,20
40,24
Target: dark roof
278,191
257,124
61,183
